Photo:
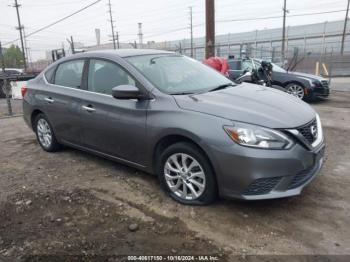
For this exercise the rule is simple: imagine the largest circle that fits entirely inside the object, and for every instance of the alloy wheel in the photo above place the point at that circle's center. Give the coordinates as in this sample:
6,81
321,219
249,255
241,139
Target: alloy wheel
296,90
184,176
44,133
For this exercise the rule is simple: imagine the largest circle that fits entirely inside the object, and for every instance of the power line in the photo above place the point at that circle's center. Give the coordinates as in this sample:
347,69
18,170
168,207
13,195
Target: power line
56,22
242,20
279,16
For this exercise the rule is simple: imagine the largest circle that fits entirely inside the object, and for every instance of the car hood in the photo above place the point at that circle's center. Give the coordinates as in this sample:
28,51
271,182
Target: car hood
252,104
308,76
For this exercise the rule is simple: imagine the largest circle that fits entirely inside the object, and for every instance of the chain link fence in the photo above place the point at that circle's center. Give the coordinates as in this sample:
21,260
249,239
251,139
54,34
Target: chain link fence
317,54
312,57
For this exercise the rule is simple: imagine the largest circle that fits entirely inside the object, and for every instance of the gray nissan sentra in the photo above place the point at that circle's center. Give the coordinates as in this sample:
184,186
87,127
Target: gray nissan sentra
172,116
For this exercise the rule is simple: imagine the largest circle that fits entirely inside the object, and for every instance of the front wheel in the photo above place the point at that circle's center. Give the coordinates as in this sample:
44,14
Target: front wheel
296,90
185,173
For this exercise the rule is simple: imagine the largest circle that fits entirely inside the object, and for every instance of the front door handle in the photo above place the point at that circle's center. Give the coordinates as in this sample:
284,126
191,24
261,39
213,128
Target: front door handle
49,100
88,108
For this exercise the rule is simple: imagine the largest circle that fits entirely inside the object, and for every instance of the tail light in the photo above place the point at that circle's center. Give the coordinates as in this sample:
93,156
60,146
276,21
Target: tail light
24,90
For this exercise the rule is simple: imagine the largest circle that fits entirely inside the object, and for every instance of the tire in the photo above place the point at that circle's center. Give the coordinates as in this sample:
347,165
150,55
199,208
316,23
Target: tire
199,180
44,134
296,90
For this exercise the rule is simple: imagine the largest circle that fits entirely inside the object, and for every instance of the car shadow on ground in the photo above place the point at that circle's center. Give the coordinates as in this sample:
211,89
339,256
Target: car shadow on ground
131,173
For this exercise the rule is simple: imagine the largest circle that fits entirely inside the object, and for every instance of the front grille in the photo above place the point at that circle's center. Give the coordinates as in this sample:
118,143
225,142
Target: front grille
307,131
325,83
262,186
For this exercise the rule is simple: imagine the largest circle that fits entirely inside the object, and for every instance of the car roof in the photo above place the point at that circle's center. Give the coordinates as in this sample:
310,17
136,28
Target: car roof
128,52
109,53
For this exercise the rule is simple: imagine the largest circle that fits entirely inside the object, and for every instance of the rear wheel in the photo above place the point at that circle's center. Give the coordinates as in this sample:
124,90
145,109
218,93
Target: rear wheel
185,173
45,134
296,90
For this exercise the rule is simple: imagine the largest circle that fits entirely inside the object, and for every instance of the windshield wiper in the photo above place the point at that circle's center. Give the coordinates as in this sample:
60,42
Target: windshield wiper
182,93
221,87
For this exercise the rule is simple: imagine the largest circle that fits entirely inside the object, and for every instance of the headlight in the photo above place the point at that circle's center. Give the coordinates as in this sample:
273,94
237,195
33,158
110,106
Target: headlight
258,137
316,83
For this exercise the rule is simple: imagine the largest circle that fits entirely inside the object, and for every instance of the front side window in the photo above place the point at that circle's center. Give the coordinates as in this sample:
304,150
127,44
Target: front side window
176,74
70,73
104,75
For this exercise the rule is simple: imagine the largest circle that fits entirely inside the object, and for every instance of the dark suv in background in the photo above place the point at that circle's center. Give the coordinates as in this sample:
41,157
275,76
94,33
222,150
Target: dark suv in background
304,86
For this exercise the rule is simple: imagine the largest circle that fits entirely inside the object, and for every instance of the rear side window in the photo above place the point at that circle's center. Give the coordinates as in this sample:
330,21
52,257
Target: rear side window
70,74
104,75
49,74
235,65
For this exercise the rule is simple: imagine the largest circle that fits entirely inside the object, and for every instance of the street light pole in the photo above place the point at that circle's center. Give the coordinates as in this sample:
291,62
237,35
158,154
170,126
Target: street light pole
191,29
284,30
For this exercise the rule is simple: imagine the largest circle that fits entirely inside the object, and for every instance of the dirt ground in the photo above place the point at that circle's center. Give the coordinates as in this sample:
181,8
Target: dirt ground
73,203
16,105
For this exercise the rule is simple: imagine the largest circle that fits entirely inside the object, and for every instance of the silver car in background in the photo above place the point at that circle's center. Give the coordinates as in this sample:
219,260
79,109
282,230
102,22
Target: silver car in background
172,116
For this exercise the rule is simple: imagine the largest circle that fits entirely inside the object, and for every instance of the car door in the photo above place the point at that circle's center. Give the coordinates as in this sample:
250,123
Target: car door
111,126
60,98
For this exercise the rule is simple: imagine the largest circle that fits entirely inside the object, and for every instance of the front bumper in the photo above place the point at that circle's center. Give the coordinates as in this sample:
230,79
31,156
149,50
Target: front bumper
255,174
321,90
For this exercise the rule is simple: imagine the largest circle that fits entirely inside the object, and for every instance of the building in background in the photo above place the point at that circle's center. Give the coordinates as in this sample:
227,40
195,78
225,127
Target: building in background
315,38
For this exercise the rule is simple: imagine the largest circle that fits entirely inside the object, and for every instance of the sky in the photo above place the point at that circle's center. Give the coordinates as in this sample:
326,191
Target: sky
162,20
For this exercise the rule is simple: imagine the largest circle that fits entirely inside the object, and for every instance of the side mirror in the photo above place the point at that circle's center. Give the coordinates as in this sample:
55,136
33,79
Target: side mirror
127,92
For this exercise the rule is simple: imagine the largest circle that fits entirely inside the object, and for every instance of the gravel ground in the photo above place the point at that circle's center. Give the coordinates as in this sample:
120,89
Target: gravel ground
73,203
16,105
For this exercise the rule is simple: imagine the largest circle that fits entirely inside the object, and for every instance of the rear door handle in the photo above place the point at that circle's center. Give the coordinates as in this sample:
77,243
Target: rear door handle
49,100
88,108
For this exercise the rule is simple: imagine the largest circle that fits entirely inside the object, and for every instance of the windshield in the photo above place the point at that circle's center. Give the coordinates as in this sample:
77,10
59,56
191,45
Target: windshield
176,74
277,68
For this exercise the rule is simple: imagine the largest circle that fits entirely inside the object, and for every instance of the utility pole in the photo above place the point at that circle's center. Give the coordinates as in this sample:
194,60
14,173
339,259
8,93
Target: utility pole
140,35
112,25
20,27
191,29
209,28
5,84
26,48
344,32
324,39
285,11
72,45
117,37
